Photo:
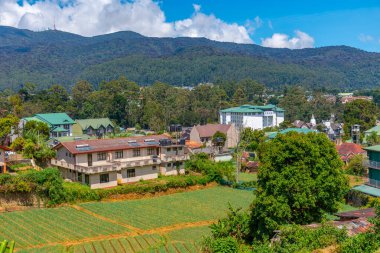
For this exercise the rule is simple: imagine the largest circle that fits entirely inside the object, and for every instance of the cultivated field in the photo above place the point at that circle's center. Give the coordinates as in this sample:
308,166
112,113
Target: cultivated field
171,223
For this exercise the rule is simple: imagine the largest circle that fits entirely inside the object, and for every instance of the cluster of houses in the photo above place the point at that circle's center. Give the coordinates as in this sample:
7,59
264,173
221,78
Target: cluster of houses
85,154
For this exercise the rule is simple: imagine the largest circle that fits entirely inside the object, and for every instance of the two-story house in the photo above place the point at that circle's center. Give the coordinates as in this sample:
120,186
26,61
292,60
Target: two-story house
60,124
103,162
91,127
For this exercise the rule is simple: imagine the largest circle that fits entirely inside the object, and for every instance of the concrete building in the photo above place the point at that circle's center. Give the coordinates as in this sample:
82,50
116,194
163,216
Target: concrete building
253,116
103,162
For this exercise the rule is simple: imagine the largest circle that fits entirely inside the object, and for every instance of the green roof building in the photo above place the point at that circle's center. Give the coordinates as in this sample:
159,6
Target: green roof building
92,127
373,164
60,124
253,116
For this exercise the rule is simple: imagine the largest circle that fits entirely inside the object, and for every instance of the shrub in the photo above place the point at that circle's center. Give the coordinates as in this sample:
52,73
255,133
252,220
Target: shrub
221,245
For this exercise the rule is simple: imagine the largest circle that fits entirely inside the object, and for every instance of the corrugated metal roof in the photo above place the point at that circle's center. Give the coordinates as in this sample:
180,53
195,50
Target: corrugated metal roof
373,148
55,118
94,123
253,109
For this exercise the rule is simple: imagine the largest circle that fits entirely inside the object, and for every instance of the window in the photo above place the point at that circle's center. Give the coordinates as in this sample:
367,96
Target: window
87,179
104,178
66,126
136,152
151,151
131,173
119,154
169,149
180,148
169,165
154,167
102,156
79,177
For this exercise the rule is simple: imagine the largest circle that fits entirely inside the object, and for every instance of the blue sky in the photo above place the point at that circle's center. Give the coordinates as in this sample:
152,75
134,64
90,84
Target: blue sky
287,23
330,22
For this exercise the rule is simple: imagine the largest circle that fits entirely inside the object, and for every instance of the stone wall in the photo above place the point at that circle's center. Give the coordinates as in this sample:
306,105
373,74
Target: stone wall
16,201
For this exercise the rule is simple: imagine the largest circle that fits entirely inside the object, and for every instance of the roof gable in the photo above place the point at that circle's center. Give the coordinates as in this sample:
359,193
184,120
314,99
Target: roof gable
210,129
94,123
349,148
55,118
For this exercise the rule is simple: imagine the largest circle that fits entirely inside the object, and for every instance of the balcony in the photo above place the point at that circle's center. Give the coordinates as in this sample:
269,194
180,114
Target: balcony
140,163
372,164
87,169
174,158
373,183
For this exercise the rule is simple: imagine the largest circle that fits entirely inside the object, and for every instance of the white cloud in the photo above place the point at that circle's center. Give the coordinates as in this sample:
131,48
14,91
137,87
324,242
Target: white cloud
252,25
365,38
280,40
97,17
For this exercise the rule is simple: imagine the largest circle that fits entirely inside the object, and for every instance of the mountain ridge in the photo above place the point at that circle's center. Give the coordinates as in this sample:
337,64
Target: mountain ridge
52,56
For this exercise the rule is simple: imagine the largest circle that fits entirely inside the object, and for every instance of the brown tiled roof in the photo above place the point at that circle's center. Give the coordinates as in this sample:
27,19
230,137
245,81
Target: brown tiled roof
346,149
104,145
210,129
361,213
193,144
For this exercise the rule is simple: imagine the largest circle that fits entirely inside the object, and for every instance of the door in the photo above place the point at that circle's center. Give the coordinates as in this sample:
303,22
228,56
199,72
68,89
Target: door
89,159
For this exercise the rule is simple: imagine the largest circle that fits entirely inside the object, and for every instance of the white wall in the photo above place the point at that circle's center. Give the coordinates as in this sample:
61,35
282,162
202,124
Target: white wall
253,121
144,173
95,180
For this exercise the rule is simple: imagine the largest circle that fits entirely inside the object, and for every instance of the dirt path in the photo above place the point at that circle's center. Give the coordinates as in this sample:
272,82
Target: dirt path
160,231
133,229
178,226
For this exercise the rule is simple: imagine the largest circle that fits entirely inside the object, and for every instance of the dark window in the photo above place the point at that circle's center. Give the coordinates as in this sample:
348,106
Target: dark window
87,179
154,167
67,127
80,177
169,149
150,151
119,154
136,152
104,178
169,165
102,156
131,173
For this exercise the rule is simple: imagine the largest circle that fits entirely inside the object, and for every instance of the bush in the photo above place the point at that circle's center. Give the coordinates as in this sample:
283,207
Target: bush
362,243
221,245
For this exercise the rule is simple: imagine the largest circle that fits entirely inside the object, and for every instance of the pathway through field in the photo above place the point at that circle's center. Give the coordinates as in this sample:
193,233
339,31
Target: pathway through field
172,223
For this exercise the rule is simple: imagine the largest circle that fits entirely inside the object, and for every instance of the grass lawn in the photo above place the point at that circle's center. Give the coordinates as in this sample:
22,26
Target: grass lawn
247,177
203,205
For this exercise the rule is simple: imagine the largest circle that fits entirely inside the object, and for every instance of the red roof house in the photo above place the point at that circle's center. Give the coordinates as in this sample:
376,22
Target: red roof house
347,150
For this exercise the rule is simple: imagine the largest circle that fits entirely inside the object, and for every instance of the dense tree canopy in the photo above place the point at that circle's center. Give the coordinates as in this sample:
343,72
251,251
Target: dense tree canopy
300,179
361,112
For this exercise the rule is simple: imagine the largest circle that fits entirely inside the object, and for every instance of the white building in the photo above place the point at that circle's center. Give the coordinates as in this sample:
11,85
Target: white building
102,163
253,116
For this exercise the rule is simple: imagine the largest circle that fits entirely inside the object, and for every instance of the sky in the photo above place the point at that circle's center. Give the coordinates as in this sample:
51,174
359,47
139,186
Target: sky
290,24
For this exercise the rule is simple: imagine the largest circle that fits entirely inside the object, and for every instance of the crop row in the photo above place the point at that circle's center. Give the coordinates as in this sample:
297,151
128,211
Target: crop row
145,243
36,227
172,209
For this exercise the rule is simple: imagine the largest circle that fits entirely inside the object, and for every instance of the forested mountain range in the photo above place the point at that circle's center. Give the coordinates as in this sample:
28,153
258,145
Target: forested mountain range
55,57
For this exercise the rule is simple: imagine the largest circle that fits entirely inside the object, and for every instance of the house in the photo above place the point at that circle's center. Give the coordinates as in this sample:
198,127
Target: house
204,133
91,127
102,163
60,124
347,150
253,116
346,100
367,133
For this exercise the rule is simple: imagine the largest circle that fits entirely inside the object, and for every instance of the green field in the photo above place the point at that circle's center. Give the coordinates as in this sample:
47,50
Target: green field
247,177
208,204
146,225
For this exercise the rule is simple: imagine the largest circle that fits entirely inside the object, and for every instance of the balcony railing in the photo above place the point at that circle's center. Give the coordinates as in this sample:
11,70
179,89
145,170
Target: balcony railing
174,158
373,182
372,164
140,163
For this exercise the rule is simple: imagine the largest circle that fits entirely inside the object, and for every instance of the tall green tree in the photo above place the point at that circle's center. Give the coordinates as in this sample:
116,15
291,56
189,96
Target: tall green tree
295,104
361,112
300,179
